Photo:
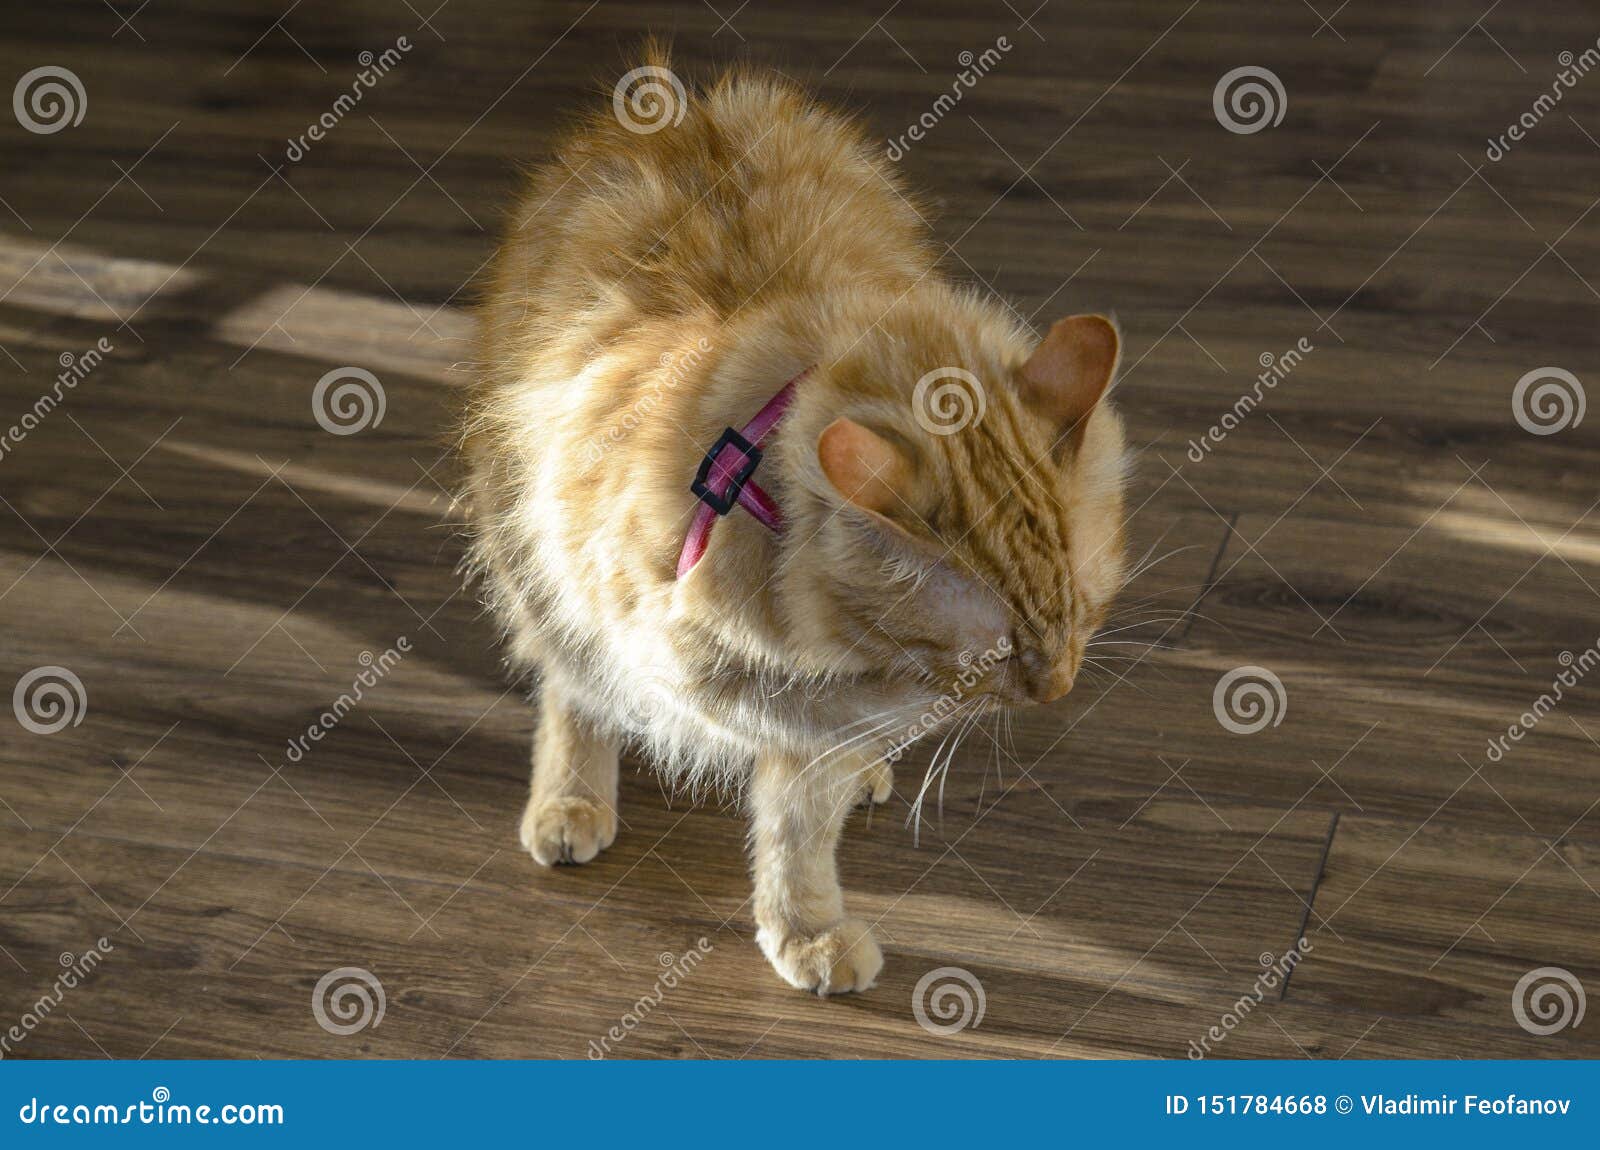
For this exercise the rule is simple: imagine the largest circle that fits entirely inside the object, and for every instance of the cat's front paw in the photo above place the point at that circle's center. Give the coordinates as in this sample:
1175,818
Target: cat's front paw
877,784
567,829
837,960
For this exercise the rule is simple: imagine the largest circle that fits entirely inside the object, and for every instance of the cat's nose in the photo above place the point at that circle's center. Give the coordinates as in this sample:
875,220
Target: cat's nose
1046,679
1052,685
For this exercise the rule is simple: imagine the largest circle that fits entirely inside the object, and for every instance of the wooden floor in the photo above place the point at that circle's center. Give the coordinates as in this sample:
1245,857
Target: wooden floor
1380,534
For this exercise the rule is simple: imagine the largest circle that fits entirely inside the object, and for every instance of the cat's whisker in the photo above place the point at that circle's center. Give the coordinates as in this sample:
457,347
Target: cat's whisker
1153,612
1154,604
1135,626
1146,558
1173,590
881,722
1120,678
1144,617
994,738
965,733
1153,645
915,816
1186,613
1145,567
879,725
944,775
1147,552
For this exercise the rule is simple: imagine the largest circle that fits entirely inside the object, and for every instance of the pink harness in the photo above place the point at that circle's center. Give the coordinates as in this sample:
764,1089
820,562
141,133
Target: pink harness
723,480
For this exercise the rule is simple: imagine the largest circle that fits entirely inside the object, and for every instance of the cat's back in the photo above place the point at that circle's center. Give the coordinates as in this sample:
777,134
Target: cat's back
668,204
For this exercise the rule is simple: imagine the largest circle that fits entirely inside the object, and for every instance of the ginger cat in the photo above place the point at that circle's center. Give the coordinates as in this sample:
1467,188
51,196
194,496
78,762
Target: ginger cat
942,483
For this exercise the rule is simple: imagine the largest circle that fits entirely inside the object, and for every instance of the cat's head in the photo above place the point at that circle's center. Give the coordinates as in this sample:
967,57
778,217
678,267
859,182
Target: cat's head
968,535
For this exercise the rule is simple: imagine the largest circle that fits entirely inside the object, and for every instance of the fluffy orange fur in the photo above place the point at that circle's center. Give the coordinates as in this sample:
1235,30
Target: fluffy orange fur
951,485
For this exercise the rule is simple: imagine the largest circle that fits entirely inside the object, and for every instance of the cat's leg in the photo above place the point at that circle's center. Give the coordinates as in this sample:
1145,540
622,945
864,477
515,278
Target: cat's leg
572,804
797,813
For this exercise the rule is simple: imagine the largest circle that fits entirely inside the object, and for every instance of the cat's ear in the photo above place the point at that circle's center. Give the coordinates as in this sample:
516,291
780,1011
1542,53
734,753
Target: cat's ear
1070,370
865,468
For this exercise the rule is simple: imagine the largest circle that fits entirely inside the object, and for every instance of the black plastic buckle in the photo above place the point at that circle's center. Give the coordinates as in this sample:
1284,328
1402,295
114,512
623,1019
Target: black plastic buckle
724,503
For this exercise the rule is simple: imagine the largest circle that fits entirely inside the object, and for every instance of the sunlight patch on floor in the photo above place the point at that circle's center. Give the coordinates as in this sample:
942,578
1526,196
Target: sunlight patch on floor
333,326
329,325
424,498
76,281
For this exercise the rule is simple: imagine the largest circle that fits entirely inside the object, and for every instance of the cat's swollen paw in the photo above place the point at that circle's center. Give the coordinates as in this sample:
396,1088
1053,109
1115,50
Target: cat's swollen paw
568,829
837,960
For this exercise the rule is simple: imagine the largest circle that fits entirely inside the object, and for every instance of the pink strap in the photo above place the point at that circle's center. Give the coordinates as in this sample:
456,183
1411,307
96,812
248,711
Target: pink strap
721,474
